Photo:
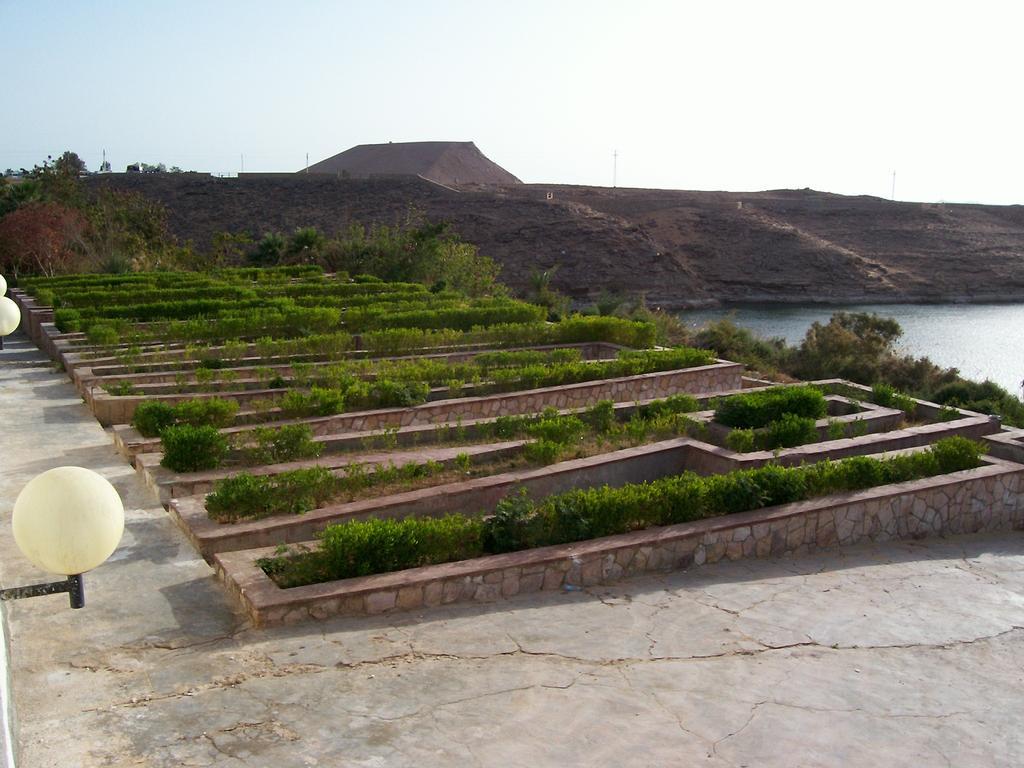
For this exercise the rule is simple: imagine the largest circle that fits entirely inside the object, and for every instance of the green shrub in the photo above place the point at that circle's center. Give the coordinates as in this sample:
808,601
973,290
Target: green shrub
836,430
67,320
889,397
102,334
200,412
191,449
247,496
399,394
121,389
787,431
543,451
316,402
288,443
946,413
557,429
152,417
379,546
956,453
740,440
752,410
601,416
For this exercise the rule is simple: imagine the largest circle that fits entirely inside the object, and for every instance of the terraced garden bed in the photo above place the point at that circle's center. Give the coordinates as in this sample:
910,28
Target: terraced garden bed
984,498
295,409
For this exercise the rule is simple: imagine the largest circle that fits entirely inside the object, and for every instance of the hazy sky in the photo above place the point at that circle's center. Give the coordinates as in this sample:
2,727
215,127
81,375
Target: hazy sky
703,95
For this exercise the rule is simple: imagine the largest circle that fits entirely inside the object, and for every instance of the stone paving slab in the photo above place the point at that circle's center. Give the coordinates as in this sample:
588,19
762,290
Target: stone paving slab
904,654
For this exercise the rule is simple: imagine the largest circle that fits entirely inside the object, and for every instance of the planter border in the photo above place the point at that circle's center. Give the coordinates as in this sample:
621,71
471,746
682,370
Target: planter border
986,498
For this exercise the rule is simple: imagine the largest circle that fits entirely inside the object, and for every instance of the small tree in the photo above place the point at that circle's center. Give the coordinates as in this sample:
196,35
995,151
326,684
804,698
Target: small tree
269,250
42,238
306,245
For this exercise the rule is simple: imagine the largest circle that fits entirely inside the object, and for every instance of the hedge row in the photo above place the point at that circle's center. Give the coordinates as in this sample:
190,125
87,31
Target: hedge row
375,546
752,410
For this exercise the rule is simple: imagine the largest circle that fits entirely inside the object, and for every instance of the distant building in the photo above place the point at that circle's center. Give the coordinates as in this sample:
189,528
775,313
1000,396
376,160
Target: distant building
445,162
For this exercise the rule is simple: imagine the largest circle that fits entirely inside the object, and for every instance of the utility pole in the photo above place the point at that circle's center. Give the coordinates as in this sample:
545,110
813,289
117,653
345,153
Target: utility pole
893,185
307,163
615,167
243,164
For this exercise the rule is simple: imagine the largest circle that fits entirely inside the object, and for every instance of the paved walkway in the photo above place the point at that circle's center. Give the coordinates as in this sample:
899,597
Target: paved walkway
896,655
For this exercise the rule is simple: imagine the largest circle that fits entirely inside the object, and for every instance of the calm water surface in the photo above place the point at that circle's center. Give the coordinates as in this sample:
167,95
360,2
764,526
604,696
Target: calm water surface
982,340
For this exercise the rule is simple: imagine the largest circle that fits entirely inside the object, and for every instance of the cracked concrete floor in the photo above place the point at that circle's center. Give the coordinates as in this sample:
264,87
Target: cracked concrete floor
898,655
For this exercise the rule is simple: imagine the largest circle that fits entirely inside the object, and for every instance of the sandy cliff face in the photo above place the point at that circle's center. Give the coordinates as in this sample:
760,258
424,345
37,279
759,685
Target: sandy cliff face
676,247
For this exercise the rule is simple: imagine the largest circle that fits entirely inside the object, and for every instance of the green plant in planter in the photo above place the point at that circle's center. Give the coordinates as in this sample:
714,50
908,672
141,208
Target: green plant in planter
946,413
753,410
102,334
543,451
153,417
316,402
288,443
214,411
890,397
740,440
205,378
836,430
601,416
787,431
192,449
121,389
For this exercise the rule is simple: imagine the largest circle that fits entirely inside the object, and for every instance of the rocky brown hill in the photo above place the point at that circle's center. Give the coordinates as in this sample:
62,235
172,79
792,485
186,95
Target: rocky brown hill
677,247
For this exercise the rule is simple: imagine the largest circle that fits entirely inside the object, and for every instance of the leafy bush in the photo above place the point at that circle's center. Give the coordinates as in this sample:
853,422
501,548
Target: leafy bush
836,430
758,409
601,416
889,397
152,417
316,402
199,412
121,389
561,430
787,431
190,449
740,440
102,334
68,320
287,443
543,451
258,496
399,394
377,546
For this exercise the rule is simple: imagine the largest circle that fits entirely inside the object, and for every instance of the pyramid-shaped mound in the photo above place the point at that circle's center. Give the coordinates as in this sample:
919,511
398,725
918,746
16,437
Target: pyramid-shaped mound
446,162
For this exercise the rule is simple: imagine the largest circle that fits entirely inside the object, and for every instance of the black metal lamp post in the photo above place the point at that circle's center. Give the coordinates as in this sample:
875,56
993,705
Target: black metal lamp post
67,520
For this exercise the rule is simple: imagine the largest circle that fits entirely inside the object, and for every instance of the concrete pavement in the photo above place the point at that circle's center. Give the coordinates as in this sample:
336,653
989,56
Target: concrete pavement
900,654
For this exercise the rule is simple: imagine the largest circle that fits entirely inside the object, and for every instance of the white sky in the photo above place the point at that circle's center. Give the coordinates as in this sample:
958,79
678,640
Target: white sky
702,95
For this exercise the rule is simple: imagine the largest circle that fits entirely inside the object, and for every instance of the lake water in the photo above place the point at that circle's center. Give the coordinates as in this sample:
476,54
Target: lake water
982,340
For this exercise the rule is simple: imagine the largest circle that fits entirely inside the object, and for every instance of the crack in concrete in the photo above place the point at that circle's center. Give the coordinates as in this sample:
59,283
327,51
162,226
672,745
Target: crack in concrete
412,657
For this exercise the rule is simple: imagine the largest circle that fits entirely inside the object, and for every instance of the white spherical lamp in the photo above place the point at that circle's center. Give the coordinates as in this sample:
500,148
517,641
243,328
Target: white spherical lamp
10,316
3,286
68,520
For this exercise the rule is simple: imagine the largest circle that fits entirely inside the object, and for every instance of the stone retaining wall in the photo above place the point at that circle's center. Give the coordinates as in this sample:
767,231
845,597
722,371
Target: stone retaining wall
985,499
703,379
470,497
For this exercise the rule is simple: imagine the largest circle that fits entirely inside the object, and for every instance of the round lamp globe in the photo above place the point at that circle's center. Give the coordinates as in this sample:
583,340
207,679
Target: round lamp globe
3,286
68,520
10,316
